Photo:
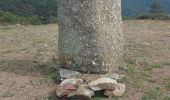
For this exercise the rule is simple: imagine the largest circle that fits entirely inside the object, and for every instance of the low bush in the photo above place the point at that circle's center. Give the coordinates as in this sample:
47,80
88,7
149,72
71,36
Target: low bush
7,17
127,18
154,16
34,20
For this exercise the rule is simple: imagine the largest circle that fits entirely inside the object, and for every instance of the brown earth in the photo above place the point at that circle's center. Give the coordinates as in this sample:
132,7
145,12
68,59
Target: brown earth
27,54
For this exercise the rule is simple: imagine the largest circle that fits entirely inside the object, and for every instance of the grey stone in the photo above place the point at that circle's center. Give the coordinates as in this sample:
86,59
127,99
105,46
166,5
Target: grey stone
73,81
90,35
66,73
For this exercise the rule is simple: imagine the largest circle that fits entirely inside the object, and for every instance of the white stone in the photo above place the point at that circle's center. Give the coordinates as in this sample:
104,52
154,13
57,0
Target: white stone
73,81
114,76
95,85
119,90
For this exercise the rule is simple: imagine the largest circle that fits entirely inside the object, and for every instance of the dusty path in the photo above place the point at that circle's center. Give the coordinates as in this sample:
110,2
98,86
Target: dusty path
27,53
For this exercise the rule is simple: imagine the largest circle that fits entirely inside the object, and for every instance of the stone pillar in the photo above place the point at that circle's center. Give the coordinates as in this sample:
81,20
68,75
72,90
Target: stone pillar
90,35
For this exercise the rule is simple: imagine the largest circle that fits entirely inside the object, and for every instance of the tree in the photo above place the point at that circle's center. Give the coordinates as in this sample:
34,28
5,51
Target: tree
156,7
90,35
45,10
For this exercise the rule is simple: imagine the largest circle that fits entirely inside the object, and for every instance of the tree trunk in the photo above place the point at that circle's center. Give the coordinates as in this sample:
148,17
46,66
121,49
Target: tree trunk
90,35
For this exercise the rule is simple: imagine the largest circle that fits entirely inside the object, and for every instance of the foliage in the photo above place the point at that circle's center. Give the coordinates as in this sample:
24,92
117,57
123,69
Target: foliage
127,17
34,20
153,94
43,10
8,17
133,8
46,10
156,7
167,84
154,16
156,12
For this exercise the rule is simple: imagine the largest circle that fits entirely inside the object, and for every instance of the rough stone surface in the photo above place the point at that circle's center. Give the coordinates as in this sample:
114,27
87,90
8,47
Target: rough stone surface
114,76
66,73
65,90
68,86
119,90
83,90
90,35
102,83
72,81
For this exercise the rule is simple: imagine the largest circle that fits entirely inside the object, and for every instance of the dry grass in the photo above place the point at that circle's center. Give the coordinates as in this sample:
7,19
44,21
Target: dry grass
30,50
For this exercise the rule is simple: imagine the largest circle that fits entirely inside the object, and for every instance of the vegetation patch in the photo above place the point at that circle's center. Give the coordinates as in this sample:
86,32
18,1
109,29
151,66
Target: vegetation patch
134,76
153,94
166,98
166,63
102,98
167,84
8,94
154,16
156,66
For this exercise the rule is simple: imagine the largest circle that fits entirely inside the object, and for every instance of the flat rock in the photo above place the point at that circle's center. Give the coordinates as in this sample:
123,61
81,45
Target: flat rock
83,90
68,86
66,73
65,90
90,77
102,83
72,81
106,86
119,90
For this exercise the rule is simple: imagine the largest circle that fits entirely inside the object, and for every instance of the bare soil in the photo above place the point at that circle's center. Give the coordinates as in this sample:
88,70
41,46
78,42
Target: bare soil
27,53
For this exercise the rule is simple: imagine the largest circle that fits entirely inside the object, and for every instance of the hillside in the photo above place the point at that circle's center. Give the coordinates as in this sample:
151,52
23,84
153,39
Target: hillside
136,7
46,10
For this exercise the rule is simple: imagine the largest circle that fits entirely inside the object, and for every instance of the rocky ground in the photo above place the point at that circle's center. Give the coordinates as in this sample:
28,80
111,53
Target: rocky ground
28,53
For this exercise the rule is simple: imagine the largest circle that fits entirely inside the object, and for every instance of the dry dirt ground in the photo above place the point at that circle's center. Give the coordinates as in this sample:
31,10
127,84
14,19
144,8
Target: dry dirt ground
28,53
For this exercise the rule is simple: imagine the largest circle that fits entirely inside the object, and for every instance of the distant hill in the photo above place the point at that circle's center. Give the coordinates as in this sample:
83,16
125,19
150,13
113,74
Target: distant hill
45,11
136,7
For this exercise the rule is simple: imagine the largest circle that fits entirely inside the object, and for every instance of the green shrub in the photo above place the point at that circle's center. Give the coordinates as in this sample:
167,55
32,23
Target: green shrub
53,20
34,20
8,17
1,13
154,16
127,18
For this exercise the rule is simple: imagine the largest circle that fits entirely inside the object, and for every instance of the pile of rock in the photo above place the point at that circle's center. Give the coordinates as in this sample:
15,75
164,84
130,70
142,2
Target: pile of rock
75,84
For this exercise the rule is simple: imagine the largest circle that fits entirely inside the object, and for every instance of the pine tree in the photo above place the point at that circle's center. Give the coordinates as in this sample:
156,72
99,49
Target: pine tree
156,7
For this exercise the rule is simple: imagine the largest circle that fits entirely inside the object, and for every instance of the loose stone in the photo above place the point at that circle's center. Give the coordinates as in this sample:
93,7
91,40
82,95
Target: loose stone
73,81
102,83
66,73
83,90
119,90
